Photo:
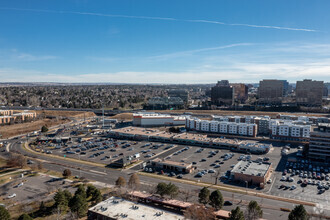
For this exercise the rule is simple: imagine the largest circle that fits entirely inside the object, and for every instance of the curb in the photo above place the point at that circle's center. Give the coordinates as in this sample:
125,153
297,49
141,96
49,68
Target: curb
229,189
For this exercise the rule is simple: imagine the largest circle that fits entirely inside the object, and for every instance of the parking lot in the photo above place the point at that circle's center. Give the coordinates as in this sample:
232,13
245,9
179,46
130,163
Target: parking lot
105,150
302,179
32,188
209,164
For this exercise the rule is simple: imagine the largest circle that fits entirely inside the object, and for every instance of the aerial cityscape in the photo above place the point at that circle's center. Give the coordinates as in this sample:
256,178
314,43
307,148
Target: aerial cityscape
149,109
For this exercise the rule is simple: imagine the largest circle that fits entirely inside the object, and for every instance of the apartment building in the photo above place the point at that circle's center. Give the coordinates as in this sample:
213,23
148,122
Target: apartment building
319,144
223,127
289,131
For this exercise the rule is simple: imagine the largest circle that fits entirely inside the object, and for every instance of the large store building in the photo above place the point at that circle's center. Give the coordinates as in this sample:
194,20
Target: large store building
149,119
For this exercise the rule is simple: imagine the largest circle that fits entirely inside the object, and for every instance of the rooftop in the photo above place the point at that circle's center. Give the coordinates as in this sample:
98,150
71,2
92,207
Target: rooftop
119,208
251,168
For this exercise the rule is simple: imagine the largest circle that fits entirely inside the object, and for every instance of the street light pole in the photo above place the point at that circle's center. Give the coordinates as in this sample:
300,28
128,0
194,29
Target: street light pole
246,186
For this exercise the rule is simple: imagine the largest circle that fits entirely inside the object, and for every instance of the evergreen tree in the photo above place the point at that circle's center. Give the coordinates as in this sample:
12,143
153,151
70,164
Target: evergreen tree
298,213
203,196
25,217
236,214
61,201
172,190
254,211
216,199
44,129
67,195
161,189
90,190
97,196
4,214
81,191
79,205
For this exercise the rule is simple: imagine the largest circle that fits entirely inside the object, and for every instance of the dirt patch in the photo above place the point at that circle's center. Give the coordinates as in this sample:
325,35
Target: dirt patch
74,114
17,129
123,117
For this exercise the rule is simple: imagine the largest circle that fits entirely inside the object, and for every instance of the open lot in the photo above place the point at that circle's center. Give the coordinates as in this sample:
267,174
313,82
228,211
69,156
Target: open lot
31,188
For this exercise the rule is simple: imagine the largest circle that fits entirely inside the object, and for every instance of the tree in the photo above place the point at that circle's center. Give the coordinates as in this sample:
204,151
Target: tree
199,212
78,204
4,214
66,173
44,129
298,213
61,201
172,190
90,190
25,217
203,196
254,211
134,182
81,191
236,214
17,160
216,199
67,195
97,196
161,189
121,182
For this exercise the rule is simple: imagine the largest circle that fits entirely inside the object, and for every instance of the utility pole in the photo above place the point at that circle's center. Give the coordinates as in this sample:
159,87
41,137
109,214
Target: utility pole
103,115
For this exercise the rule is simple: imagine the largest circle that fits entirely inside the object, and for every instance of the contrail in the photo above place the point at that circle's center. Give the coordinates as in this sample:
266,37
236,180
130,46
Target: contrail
161,18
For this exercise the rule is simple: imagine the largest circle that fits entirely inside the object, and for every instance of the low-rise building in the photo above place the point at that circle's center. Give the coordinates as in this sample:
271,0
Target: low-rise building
149,119
172,165
252,173
116,208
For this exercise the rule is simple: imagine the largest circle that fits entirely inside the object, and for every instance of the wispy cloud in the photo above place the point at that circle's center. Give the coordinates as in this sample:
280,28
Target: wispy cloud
165,19
17,56
191,52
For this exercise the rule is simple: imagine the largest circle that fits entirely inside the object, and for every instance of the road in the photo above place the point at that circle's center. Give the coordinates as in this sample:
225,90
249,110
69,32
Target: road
109,176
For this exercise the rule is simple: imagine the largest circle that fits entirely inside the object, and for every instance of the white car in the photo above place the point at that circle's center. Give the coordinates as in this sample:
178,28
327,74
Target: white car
19,185
12,196
283,178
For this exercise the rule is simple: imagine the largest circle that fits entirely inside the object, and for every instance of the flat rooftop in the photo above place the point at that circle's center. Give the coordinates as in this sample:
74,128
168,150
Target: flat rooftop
183,136
251,168
138,131
119,208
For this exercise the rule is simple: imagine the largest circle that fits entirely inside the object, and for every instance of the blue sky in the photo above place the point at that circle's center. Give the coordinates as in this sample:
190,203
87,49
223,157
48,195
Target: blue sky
186,41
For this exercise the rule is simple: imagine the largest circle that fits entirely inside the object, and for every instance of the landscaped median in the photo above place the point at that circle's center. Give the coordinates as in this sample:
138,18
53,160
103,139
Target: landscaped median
227,188
27,148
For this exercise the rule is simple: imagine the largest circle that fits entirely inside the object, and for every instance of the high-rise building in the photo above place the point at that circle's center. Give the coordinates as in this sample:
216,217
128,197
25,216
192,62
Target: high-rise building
309,92
319,144
272,91
222,93
240,92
